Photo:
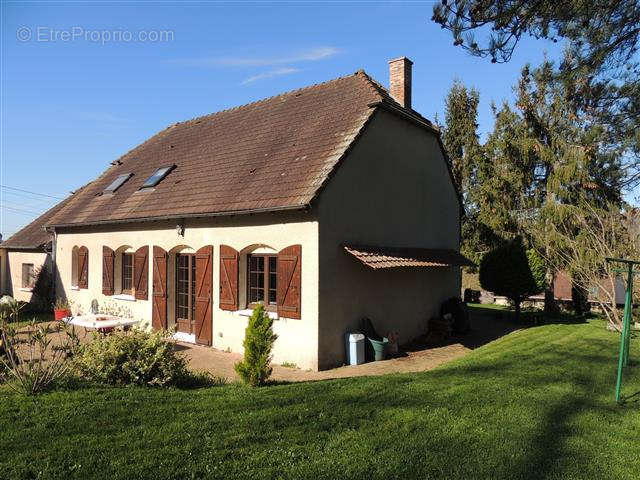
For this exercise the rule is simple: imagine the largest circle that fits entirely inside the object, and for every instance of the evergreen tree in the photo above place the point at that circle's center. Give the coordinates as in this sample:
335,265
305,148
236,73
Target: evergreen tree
461,141
255,369
600,70
506,271
460,137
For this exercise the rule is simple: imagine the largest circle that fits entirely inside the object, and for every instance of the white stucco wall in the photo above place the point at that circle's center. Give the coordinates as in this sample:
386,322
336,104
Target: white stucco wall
393,189
297,339
11,281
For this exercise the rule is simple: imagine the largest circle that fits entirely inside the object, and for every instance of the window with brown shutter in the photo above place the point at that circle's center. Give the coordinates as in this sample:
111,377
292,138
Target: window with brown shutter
289,278
108,258
141,272
228,278
83,267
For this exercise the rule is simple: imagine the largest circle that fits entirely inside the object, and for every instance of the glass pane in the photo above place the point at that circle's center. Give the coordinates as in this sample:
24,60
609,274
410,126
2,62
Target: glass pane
155,178
193,287
117,183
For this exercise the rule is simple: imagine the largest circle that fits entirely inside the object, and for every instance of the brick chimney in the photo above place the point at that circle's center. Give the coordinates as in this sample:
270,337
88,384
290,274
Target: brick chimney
400,80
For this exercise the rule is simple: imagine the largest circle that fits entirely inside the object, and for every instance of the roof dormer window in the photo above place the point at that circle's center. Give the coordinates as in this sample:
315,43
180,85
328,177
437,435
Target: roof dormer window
118,182
157,176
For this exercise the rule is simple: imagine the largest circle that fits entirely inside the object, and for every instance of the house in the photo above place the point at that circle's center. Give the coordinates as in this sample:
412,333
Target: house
25,260
327,204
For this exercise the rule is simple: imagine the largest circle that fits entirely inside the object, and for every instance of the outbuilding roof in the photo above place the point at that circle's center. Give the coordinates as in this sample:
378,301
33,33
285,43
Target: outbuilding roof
274,154
393,257
33,236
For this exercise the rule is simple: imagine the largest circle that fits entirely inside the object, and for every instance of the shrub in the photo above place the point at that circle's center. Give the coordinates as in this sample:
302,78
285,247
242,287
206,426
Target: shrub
134,357
259,338
506,271
31,360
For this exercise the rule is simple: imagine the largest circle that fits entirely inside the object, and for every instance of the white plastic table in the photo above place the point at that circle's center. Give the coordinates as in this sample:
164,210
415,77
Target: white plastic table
100,322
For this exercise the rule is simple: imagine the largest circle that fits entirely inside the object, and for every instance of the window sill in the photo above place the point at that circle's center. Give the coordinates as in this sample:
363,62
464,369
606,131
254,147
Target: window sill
128,298
26,289
75,287
248,311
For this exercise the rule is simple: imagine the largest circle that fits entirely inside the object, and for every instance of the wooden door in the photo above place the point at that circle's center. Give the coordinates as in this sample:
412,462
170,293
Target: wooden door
204,295
159,315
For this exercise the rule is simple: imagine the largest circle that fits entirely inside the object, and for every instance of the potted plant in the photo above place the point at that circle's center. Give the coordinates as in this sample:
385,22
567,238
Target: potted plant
61,309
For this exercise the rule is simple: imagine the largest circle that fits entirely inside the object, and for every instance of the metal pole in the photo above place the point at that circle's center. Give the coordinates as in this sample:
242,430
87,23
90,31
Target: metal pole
623,358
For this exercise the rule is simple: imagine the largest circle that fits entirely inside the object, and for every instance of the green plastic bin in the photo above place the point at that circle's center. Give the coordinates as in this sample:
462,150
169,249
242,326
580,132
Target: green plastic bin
379,348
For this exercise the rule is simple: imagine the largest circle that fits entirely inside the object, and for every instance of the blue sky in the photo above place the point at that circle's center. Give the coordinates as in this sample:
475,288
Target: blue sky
83,83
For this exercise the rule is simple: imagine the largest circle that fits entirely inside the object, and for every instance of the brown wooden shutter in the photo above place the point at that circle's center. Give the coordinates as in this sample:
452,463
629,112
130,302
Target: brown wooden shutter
228,278
83,267
108,257
141,272
288,291
204,294
159,295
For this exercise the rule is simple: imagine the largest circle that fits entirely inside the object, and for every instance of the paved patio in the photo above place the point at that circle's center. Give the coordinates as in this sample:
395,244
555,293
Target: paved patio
221,363
418,357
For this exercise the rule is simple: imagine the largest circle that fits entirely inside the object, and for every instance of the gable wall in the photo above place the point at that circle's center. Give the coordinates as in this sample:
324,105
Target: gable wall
297,342
393,189
11,273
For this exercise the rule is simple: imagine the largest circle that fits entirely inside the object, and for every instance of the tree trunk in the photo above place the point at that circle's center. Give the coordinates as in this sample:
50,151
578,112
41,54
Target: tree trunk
550,304
516,302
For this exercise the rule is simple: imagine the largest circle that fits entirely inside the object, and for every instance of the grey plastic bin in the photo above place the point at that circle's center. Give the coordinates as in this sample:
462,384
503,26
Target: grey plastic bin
355,348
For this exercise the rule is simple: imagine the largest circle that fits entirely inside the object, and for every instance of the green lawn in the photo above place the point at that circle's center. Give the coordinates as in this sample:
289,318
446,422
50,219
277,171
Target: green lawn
25,319
537,403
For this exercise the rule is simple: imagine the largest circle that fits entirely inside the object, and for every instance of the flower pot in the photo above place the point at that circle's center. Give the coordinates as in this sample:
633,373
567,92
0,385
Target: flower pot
60,313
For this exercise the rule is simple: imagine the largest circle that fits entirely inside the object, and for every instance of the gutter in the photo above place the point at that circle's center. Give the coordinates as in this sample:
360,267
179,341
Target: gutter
180,216
21,247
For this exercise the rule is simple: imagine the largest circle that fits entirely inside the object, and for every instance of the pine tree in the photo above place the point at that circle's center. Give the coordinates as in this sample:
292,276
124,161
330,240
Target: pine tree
460,136
461,141
600,68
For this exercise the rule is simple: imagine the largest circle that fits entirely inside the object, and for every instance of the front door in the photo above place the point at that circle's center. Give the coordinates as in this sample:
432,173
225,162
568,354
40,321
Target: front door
185,292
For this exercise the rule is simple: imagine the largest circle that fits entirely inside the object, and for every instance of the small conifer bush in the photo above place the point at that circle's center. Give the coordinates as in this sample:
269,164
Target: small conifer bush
259,338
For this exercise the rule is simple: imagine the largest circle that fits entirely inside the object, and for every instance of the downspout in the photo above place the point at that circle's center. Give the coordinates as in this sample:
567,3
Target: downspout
54,268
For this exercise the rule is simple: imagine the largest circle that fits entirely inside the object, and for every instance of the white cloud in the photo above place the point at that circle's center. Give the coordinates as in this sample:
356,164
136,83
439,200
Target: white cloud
270,74
309,55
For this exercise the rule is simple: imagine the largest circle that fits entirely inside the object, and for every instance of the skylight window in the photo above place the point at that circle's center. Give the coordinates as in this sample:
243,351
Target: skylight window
117,183
157,176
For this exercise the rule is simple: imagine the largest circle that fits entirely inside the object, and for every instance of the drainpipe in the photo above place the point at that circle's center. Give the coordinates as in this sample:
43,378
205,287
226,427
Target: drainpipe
54,268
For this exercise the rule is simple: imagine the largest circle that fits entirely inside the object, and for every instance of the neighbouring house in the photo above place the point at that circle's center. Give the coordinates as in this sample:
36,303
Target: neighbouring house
25,261
604,291
327,204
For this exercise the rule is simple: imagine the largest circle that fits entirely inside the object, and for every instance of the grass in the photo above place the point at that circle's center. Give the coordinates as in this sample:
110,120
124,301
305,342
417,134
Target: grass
25,319
537,403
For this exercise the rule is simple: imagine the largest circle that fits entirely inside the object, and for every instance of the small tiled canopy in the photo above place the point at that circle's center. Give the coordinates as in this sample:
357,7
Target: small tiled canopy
394,257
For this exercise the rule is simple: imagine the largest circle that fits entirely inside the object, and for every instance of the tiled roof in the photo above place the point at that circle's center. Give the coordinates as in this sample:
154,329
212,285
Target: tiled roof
393,257
34,236
269,155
